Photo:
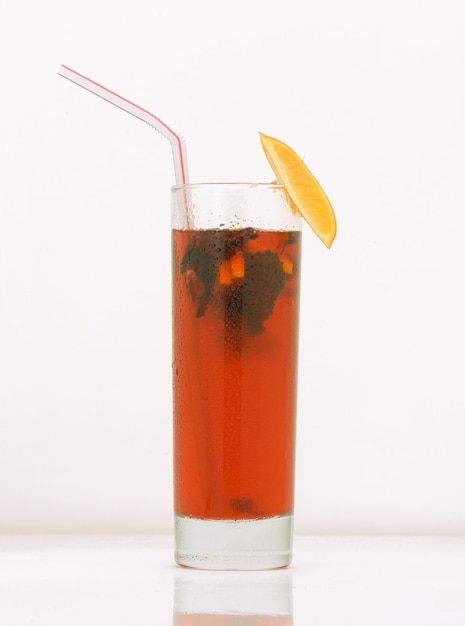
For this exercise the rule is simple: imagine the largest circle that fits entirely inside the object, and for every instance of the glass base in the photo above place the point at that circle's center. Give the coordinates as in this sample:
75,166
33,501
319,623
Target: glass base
256,544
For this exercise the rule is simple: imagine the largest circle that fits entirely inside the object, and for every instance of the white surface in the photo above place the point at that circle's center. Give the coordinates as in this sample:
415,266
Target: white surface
132,580
371,93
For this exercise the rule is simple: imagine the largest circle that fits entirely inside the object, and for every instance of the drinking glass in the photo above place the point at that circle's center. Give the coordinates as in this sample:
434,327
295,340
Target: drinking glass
236,279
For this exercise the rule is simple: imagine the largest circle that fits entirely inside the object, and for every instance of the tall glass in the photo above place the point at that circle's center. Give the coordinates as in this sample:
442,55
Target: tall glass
236,278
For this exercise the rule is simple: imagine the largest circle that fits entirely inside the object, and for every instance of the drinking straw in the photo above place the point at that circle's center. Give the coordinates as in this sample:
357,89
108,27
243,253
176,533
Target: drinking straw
178,144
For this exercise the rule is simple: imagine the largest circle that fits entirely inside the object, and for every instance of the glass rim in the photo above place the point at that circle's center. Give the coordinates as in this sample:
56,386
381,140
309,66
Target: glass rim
232,185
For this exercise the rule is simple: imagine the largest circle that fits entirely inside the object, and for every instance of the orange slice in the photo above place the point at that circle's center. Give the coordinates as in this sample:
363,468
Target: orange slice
238,265
303,188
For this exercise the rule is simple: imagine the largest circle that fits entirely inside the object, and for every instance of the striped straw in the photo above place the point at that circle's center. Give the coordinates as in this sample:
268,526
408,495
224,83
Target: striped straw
176,140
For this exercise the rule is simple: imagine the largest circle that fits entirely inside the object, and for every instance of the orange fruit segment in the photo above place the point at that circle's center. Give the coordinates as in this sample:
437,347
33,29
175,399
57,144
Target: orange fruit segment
303,188
225,273
288,266
238,265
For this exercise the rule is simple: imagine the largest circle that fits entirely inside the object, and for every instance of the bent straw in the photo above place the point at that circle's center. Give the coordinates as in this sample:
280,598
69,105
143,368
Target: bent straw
178,144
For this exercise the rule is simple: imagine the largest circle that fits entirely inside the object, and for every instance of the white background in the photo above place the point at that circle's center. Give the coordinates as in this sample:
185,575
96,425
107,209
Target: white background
370,93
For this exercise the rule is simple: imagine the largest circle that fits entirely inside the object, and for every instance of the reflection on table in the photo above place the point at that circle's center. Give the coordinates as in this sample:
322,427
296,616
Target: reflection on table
233,598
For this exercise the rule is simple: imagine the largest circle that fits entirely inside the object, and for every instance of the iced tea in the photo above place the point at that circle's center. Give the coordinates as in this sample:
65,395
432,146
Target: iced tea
235,329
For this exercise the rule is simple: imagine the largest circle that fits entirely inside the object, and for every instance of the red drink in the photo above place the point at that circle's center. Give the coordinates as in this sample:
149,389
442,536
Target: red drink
235,331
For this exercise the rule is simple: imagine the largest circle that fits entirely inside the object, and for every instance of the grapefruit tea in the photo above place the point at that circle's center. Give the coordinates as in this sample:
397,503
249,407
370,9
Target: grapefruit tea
236,276
235,340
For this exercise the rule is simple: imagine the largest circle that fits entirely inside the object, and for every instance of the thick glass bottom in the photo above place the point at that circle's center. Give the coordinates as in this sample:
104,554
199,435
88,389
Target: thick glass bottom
257,544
